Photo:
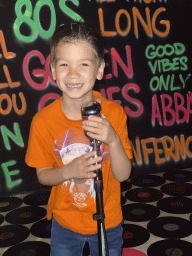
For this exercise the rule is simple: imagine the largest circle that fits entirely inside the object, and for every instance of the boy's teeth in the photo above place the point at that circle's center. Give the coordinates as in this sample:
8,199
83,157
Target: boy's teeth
73,85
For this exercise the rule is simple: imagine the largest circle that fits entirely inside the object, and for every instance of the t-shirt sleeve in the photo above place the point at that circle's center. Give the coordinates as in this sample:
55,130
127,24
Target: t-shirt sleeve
122,131
40,149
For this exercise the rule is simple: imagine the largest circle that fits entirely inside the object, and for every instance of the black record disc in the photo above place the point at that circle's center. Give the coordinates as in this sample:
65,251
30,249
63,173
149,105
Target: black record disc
25,215
140,212
29,249
177,189
178,175
170,227
123,200
12,234
125,185
177,205
42,228
37,198
148,181
9,203
1,219
134,235
143,195
170,247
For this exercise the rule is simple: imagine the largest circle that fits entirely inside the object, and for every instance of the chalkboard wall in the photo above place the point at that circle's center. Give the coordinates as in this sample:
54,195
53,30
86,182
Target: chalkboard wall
148,71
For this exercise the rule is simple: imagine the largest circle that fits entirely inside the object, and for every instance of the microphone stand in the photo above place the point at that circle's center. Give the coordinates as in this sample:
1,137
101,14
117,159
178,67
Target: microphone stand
99,215
94,108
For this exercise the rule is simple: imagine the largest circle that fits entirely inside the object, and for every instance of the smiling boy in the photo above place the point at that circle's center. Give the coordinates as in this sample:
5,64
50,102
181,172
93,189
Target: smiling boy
61,153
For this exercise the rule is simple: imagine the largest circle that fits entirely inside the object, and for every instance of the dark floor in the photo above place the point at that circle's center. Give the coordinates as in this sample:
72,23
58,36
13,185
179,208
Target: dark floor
157,211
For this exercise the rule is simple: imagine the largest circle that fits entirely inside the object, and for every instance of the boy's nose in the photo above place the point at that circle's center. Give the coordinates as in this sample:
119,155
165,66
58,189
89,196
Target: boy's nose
73,73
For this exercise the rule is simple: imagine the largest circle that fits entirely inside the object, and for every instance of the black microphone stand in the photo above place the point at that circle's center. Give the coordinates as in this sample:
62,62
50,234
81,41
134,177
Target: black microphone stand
99,216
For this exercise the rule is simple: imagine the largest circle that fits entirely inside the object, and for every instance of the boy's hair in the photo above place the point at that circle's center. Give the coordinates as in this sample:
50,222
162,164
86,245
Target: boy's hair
77,31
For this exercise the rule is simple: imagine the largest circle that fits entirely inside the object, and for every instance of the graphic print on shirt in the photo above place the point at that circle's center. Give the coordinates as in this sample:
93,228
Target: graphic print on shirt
68,149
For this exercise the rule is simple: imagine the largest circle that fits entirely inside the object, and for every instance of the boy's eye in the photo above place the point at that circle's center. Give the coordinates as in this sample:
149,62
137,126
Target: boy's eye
63,64
84,64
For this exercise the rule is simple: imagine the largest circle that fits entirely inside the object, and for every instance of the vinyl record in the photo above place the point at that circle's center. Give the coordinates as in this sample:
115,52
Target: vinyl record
131,252
176,205
35,248
140,212
9,203
37,198
148,181
170,247
123,200
143,195
25,215
1,219
134,235
125,185
177,189
42,228
178,175
170,227
12,234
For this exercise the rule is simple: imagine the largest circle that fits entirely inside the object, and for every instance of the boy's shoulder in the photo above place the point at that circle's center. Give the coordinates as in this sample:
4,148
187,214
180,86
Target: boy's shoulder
49,111
112,107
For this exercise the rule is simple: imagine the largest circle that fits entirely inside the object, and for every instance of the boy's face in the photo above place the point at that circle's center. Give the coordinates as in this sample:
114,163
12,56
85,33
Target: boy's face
76,68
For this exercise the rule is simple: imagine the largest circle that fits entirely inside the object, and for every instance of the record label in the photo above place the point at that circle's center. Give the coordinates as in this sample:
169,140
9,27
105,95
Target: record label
37,198
140,212
134,235
176,205
42,228
25,215
177,189
35,248
148,181
178,176
170,227
144,195
170,247
9,203
12,234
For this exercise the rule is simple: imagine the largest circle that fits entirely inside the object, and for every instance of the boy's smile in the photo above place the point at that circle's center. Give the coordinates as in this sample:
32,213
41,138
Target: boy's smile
75,70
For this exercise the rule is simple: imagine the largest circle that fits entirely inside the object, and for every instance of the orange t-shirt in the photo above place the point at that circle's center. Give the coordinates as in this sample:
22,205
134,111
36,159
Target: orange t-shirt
55,140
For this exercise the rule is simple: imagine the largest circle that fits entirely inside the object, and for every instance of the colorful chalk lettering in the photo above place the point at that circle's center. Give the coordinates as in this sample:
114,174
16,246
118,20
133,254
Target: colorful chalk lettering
67,11
167,82
45,72
34,22
16,136
9,81
11,103
10,184
173,109
6,54
162,149
149,26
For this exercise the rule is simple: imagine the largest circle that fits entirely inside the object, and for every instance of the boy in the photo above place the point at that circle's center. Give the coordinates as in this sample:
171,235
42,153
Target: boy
61,153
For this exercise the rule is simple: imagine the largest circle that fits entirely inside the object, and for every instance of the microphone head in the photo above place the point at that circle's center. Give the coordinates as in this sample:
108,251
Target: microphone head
90,108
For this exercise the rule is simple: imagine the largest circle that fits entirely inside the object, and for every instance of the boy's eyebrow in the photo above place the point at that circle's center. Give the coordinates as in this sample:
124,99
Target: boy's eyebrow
62,59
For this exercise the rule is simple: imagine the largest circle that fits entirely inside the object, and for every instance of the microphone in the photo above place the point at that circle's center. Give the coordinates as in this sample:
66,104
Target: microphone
93,108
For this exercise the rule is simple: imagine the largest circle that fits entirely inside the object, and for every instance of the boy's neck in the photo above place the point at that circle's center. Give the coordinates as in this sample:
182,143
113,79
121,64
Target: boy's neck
72,107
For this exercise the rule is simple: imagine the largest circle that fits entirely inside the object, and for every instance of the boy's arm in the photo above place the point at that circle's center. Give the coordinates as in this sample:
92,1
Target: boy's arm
81,167
101,129
120,163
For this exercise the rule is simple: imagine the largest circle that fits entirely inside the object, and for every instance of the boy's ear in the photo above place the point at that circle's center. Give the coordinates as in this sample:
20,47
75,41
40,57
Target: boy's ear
53,71
101,70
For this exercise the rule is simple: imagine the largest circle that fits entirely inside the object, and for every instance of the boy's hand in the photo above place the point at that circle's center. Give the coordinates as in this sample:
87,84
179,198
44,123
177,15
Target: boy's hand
83,166
100,129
